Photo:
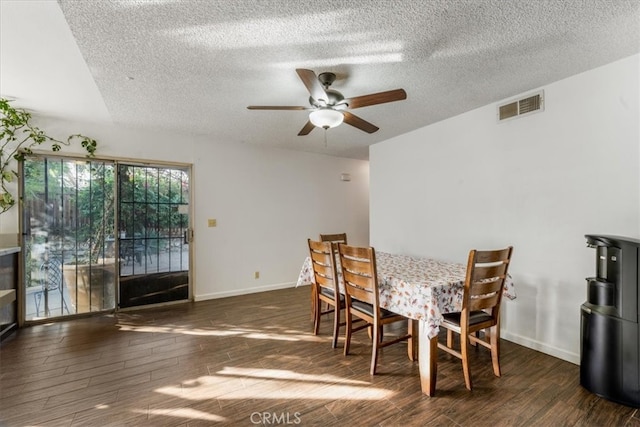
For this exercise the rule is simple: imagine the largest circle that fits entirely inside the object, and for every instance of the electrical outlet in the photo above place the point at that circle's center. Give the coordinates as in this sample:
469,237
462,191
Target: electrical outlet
212,222
256,275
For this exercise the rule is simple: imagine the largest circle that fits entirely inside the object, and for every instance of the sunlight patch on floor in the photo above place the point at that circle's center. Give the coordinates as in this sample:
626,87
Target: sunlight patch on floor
281,374
246,383
186,413
277,337
246,333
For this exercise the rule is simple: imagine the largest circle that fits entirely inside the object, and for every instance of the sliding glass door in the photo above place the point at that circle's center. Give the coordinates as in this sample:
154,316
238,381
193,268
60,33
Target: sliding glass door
68,216
77,260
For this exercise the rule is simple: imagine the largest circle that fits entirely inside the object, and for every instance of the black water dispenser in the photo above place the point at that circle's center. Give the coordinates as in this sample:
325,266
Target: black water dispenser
610,323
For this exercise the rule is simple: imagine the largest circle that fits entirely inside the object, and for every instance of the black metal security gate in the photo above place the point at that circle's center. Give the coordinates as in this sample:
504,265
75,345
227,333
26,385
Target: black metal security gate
152,234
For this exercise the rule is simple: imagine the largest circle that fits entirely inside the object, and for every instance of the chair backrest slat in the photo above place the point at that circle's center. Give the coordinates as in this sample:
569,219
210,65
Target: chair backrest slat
484,257
319,257
358,280
358,266
323,264
486,287
334,238
486,273
361,294
325,282
359,272
483,303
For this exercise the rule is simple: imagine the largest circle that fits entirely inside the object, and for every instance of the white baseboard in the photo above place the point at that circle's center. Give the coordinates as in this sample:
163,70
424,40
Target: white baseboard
244,291
541,347
518,339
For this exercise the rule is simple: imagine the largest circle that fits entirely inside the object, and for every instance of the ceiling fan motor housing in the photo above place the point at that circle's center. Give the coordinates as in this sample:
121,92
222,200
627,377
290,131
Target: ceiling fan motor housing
334,98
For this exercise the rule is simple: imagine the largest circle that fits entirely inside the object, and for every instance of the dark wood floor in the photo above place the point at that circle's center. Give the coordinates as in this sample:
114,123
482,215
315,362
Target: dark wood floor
252,360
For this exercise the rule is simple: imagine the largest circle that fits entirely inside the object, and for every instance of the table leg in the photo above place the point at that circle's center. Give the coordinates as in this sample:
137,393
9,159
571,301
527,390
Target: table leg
412,345
427,360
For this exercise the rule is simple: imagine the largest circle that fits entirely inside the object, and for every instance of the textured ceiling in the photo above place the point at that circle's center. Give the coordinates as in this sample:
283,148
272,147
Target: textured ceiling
194,66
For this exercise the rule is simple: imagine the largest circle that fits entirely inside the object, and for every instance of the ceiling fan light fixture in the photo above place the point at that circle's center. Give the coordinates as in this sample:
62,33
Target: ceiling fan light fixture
326,118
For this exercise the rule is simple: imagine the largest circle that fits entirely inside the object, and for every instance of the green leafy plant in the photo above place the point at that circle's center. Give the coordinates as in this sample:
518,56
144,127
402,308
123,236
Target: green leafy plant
18,137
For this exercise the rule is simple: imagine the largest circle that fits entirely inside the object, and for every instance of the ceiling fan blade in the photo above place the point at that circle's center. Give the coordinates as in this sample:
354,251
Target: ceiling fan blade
306,129
376,98
312,83
276,107
355,121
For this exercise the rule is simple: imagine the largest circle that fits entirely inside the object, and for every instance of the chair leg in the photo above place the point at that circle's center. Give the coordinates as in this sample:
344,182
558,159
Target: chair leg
370,328
314,302
377,338
37,297
64,303
449,338
494,338
348,331
477,335
336,324
316,320
464,351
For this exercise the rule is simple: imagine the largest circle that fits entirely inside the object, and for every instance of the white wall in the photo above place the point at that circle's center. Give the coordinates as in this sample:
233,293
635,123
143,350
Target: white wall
267,202
538,183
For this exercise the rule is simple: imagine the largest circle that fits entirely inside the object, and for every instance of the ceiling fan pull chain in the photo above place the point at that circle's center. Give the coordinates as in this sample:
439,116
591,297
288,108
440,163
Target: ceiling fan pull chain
325,137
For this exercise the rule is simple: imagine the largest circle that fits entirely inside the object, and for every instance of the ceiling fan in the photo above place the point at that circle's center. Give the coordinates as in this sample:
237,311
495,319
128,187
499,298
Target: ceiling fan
329,107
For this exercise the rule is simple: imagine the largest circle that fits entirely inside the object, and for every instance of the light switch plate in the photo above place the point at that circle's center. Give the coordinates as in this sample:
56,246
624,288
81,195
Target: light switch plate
212,223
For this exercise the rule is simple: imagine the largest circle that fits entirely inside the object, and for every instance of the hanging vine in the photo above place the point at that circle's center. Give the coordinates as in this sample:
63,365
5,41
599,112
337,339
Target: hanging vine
18,137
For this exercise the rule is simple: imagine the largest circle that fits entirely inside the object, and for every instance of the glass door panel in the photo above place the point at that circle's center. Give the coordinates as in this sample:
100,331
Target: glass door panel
68,226
153,222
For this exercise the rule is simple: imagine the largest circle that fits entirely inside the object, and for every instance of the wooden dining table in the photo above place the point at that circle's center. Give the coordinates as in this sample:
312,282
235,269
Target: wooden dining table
422,289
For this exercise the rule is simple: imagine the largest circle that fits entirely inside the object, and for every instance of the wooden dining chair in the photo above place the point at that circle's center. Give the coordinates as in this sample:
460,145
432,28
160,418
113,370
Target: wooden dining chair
484,282
334,238
362,301
325,287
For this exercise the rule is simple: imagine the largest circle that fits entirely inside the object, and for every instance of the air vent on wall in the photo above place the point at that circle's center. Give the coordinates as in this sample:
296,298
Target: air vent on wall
519,107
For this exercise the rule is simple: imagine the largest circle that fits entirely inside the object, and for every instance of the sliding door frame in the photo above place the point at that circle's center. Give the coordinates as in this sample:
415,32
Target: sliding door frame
23,229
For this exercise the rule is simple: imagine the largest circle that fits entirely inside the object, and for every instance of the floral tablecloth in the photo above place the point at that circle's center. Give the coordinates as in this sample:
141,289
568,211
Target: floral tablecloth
418,288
